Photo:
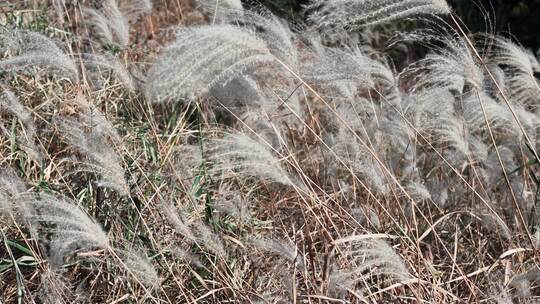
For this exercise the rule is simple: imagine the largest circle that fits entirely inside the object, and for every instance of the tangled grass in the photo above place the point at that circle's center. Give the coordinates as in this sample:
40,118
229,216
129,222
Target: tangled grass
182,151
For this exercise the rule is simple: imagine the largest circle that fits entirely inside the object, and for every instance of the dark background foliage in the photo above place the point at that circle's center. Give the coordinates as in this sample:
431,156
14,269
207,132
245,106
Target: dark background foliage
521,18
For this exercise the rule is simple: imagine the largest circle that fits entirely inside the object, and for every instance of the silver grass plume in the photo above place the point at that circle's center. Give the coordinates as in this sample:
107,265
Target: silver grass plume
186,162
345,71
203,57
94,118
520,288
418,191
132,9
499,76
355,14
109,24
281,248
278,36
357,113
275,32
502,296
208,239
10,183
439,192
59,224
186,255
377,252
479,149
364,258
55,288
499,117
237,153
497,114
434,115
356,157
523,285
180,221
91,138
503,51
195,231
397,138
239,93
11,186
218,11
96,64
11,103
519,66
274,108
264,123
529,120
232,203
140,268
340,282
494,169
451,65
263,95
35,50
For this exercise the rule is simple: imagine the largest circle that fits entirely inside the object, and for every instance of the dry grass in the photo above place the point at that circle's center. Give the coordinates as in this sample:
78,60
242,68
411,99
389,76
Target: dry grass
293,201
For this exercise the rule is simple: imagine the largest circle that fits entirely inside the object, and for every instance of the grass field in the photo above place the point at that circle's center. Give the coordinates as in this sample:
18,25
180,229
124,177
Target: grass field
176,151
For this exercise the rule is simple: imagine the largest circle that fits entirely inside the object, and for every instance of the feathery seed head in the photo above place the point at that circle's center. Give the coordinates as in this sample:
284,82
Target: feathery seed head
132,9
203,57
505,52
187,256
219,11
239,153
362,259
11,103
232,203
452,65
35,50
186,162
139,266
345,71
519,65
11,186
179,220
109,24
10,183
211,241
90,135
377,252
356,14
418,191
281,248
239,93
59,224
55,288
96,64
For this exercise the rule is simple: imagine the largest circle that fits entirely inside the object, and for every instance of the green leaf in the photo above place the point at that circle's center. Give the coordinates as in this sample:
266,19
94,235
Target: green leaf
5,266
20,247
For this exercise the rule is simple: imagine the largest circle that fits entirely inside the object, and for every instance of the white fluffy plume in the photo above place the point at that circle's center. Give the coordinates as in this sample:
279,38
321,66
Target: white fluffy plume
218,11
60,225
11,103
353,14
91,135
240,154
108,24
202,57
32,50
